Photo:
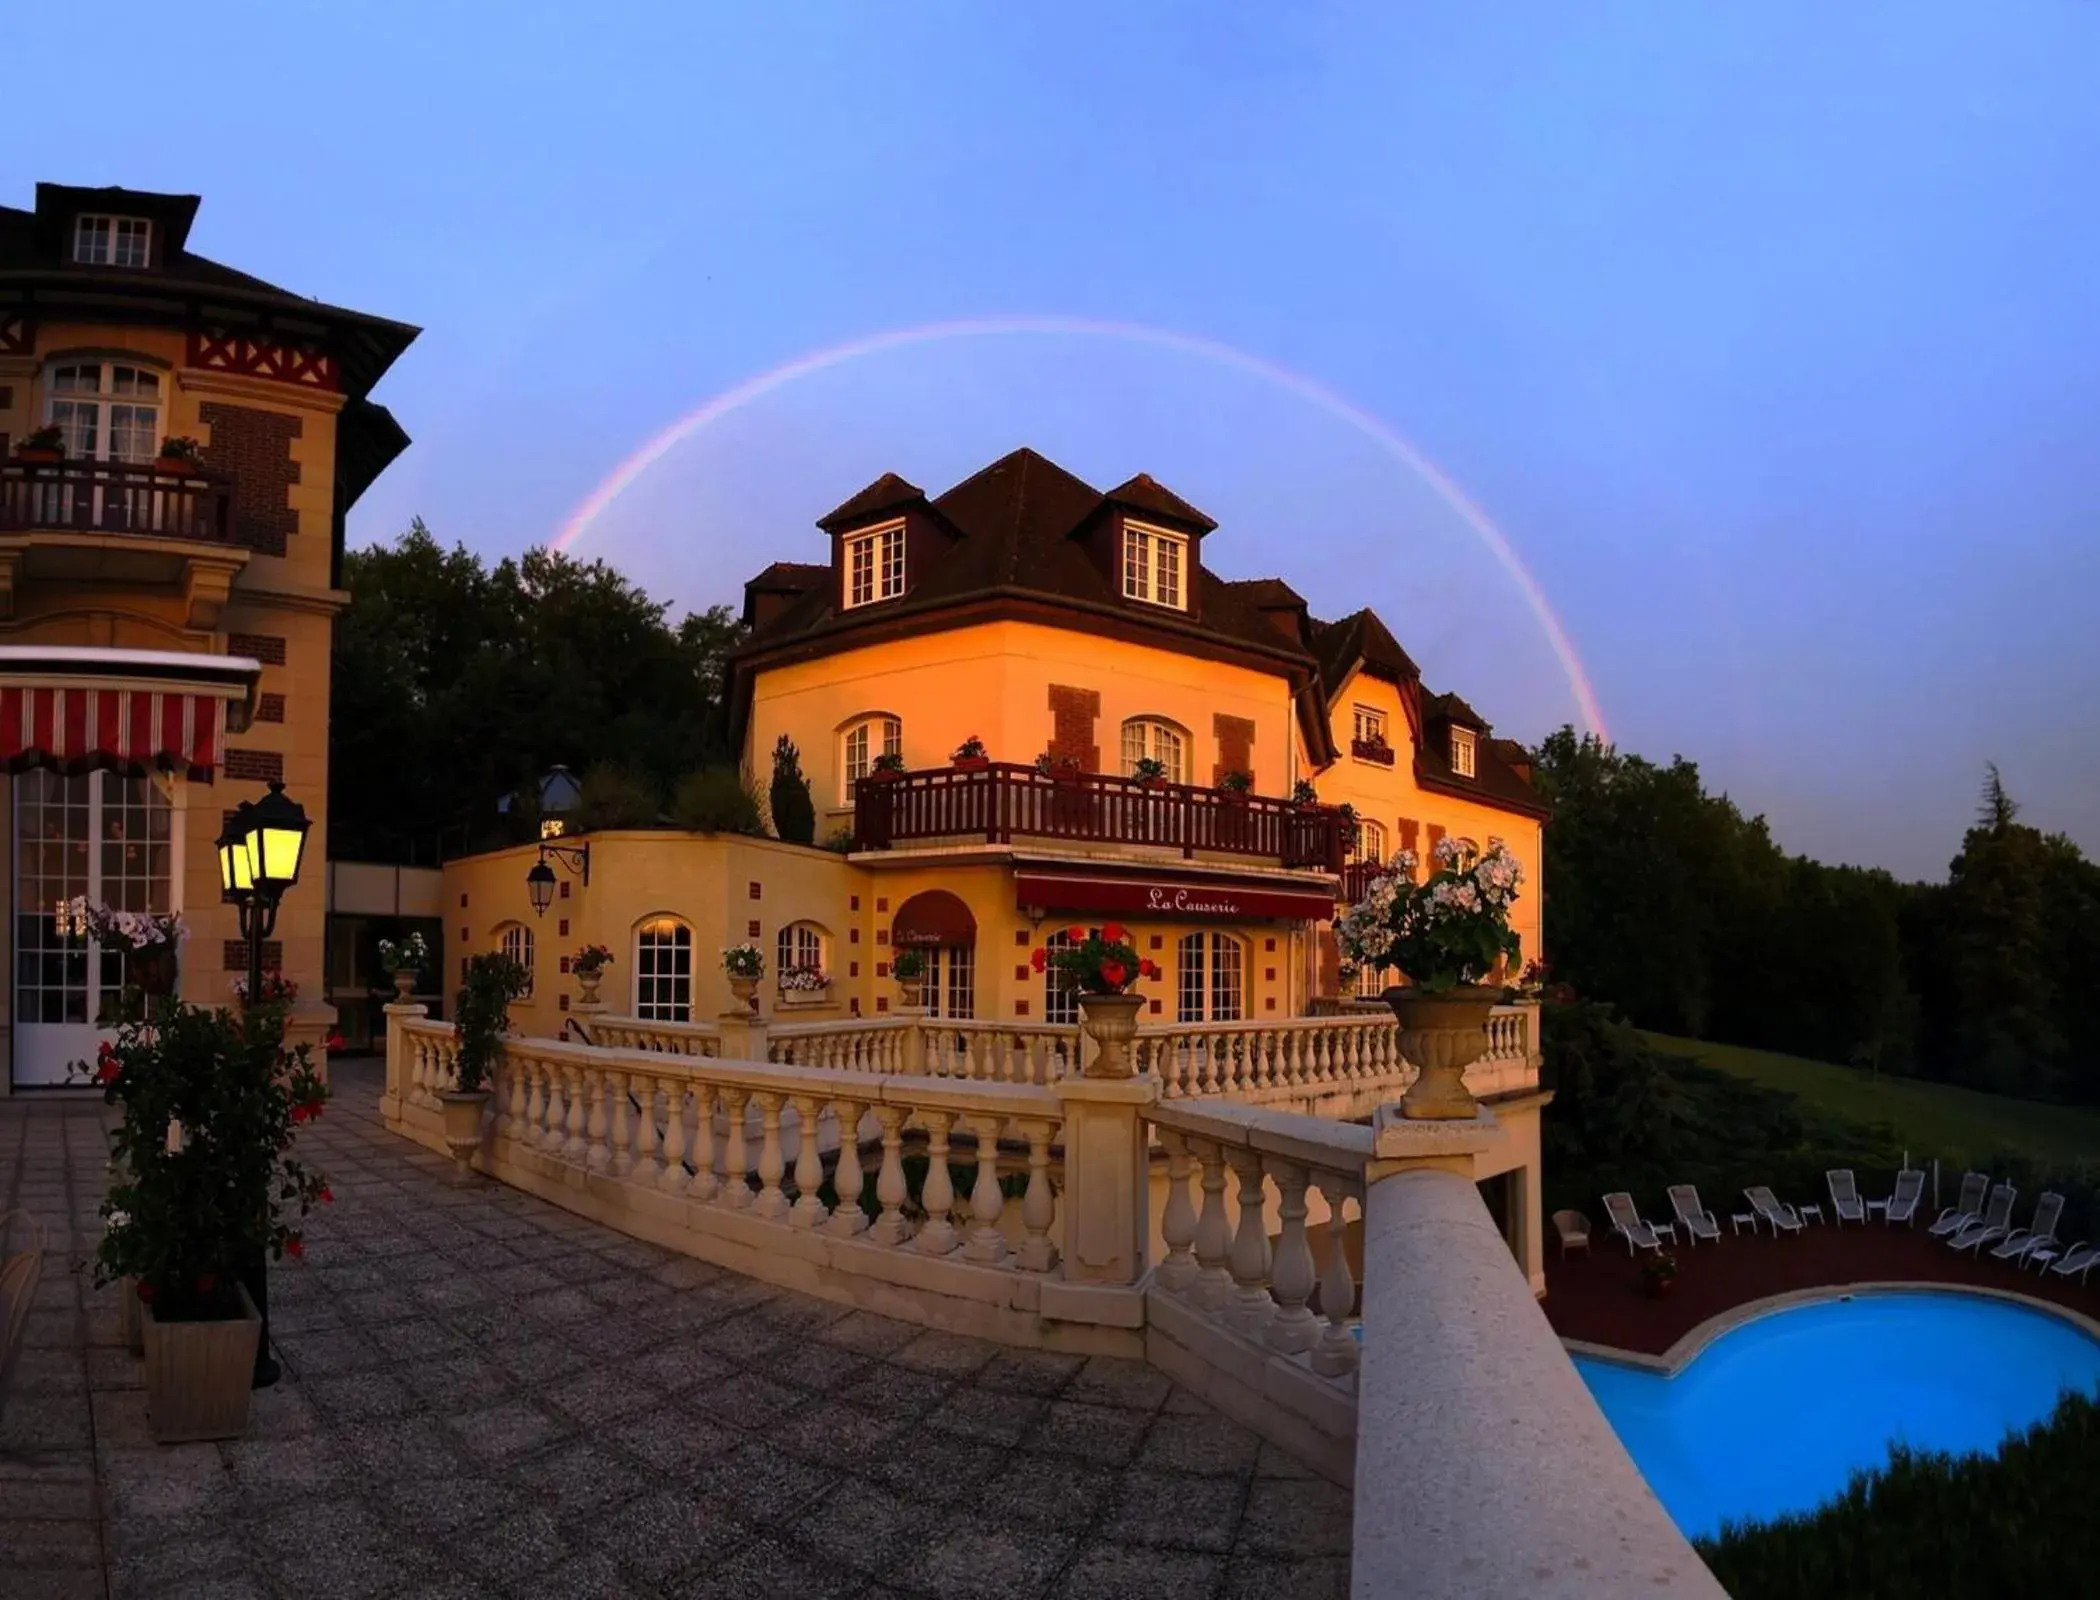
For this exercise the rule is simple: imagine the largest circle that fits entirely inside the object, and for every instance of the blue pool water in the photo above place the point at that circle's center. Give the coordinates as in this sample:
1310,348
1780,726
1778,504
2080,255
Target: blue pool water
1776,1416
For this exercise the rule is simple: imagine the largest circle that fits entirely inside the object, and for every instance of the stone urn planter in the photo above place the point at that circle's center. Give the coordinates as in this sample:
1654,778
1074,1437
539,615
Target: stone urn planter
1111,1021
746,992
405,985
1442,1034
199,1374
912,991
587,985
462,1111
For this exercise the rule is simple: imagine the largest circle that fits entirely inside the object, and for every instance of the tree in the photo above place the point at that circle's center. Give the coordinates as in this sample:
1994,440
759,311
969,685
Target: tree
794,812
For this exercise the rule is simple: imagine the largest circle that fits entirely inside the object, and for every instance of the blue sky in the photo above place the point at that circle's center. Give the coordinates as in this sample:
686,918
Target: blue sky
1767,334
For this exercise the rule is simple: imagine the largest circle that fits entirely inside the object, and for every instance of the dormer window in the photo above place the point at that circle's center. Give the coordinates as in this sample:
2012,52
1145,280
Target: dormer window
875,565
1462,752
1154,564
112,241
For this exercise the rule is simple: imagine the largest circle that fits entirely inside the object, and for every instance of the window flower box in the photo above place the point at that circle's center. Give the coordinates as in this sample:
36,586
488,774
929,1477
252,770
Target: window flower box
1374,750
804,986
971,755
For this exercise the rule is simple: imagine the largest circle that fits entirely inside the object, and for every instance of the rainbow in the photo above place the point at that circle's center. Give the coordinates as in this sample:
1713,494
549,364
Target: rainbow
623,476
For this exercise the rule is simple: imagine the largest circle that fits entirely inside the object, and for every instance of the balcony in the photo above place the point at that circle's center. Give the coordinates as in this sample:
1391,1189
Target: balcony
1000,802
1376,750
1356,880
114,497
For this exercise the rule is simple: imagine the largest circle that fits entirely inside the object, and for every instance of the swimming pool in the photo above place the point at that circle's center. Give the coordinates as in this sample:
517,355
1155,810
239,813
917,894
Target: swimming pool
1776,1415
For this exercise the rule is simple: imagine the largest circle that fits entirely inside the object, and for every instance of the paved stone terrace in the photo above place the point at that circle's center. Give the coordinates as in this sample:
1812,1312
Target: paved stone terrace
487,1396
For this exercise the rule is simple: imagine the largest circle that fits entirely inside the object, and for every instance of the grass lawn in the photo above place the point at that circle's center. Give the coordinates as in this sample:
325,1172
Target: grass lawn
1933,1119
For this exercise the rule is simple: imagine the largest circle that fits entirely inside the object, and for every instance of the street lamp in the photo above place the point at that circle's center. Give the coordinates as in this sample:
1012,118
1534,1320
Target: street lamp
539,882
259,857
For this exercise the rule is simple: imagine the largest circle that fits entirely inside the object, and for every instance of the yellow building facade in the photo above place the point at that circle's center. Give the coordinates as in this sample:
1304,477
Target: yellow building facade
1022,707
166,619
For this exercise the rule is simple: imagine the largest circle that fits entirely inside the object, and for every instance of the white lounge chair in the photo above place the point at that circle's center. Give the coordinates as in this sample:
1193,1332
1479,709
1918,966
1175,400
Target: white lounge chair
1996,1223
18,1280
1910,1188
1695,1219
1626,1223
2041,1255
2048,1212
2081,1260
1845,1203
1783,1217
1966,1211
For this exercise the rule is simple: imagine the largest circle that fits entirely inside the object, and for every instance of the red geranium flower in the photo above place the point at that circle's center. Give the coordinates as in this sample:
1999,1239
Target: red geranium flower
1114,974
146,1294
327,1195
1115,933
335,1041
295,1247
1039,960
1148,968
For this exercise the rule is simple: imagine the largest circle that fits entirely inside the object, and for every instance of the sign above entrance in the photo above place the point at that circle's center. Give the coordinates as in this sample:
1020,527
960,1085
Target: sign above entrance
1170,898
933,917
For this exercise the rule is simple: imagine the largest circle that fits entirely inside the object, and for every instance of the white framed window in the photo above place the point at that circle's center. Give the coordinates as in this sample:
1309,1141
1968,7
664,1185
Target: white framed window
1061,1005
1370,726
663,970
1148,738
515,941
109,411
1370,841
1155,566
1462,742
112,241
875,565
800,944
864,741
1211,978
951,981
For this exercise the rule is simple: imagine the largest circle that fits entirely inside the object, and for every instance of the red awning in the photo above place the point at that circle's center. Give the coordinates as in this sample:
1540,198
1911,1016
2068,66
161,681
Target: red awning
1181,899
77,710
933,917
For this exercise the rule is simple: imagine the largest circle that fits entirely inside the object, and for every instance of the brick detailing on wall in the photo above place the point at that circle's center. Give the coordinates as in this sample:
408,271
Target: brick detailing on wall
1330,963
1436,837
260,766
1073,715
265,647
255,448
269,708
1235,744
235,958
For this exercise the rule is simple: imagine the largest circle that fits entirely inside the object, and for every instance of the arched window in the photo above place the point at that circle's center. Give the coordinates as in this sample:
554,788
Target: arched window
1149,738
1061,1005
514,939
862,742
663,970
110,411
1370,841
1212,981
800,948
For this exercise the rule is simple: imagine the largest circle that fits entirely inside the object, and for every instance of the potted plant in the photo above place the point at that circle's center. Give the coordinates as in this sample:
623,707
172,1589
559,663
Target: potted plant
1062,768
1658,1272
150,941
970,755
276,990
1150,772
1446,935
178,454
42,447
908,967
404,961
886,766
589,965
203,1185
803,986
745,964
1304,795
1236,786
1102,968
483,1010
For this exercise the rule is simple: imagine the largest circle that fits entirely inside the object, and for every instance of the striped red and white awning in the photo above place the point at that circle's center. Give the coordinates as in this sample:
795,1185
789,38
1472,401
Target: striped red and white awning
76,710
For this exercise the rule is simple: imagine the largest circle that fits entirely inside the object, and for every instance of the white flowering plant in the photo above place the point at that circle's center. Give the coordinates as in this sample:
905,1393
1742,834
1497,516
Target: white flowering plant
803,979
1450,930
406,955
80,917
744,961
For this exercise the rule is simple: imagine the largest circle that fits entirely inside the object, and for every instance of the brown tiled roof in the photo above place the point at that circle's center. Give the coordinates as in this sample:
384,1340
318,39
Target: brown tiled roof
887,493
1360,638
1144,493
1494,779
1449,708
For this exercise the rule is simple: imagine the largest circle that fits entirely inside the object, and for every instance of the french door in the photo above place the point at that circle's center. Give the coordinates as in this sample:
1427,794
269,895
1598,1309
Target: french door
951,980
99,834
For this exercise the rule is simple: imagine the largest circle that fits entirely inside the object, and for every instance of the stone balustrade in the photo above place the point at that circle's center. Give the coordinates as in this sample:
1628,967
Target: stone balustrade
667,1038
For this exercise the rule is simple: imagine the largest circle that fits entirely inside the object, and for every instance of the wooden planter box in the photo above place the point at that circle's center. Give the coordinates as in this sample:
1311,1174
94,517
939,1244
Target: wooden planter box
129,1322
198,1375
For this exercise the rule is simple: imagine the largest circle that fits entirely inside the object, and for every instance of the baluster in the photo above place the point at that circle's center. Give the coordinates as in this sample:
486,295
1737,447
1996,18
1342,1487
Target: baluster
1295,1328
847,1179
673,1179
809,1165
537,1096
644,1169
771,1204
512,1099
577,1146
735,1191
1251,1307
937,1235
1336,1355
1038,1206
598,1148
987,1244
418,1094
623,1126
1213,1284
1178,1225
889,1182
700,1150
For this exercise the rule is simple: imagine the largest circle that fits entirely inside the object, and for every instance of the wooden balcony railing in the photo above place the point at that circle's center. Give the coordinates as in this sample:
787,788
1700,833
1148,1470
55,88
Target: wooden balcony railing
1002,801
1356,880
113,497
